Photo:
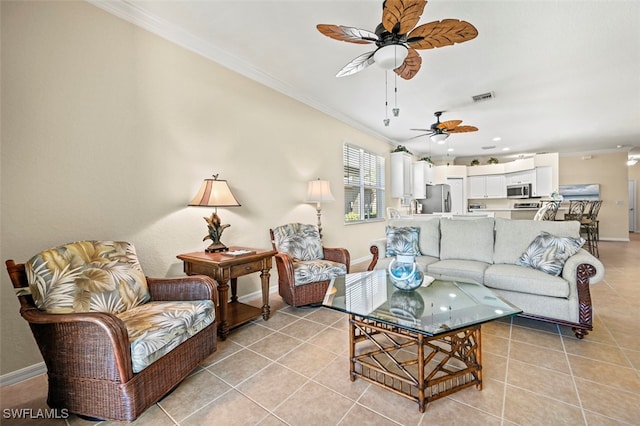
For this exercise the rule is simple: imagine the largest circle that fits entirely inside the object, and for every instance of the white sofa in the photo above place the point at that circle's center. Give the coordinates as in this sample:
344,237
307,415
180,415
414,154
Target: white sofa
487,250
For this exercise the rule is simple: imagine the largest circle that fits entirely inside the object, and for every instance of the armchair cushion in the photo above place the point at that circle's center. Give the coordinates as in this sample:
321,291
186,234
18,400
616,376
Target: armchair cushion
300,241
308,271
156,328
87,276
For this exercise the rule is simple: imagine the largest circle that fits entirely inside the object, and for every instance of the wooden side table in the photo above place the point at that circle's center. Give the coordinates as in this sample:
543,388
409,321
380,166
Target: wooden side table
223,267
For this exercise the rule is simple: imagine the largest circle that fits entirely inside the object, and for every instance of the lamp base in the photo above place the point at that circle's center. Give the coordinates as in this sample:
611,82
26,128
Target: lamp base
216,247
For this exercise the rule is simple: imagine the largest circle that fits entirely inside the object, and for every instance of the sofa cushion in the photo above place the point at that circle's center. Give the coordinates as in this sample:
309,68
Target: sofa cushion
514,236
403,241
547,253
87,276
309,271
429,235
467,239
422,261
468,269
156,328
525,280
298,240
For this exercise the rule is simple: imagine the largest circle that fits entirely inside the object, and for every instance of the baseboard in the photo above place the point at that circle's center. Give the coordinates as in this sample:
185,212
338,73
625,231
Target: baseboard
626,240
23,374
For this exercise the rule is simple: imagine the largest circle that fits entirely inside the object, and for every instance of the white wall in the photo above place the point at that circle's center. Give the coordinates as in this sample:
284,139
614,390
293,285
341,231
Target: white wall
108,131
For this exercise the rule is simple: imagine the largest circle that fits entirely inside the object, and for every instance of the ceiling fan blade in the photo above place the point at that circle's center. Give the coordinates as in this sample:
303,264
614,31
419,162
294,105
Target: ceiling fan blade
463,129
400,16
441,33
449,125
410,66
419,136
422,130
349,34
357,65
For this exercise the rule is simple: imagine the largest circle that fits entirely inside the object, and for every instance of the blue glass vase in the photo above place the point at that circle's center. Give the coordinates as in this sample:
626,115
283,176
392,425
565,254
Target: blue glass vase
404,273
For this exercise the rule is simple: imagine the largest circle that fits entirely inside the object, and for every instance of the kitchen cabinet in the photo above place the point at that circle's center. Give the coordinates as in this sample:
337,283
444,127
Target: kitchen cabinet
517,178
423,175
487,186
543,183
401,175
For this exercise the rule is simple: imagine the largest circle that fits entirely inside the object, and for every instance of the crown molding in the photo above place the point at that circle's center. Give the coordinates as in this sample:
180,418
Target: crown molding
134,14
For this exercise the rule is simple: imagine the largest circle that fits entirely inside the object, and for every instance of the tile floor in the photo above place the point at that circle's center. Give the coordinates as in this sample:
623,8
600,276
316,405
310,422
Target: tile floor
293,370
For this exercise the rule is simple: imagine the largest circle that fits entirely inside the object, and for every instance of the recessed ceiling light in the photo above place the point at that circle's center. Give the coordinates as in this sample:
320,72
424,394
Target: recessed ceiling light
497,139
506,148
450,149
489,147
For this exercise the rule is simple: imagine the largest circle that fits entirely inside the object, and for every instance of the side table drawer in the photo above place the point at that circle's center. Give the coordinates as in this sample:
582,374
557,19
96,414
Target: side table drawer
246,268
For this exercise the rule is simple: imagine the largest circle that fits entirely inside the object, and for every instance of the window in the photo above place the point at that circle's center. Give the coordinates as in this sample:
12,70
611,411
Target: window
363,185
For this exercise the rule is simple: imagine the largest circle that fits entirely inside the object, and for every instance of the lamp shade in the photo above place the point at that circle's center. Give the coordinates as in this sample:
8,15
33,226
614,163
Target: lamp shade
439,137
214,193
318,191
391,56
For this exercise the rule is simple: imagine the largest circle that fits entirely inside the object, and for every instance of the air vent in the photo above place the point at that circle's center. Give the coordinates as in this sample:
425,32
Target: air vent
483,97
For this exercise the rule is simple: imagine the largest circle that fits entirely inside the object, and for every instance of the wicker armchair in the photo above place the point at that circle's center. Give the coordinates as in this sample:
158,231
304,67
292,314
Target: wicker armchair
91,366
305,267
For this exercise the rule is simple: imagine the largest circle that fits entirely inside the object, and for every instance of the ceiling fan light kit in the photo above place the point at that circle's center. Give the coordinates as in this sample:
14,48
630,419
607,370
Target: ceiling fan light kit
439,137
391,56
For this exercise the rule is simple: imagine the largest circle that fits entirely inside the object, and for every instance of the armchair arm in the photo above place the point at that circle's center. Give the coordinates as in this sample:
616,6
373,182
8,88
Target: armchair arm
339,255
378,248
67,341
284,264
193,287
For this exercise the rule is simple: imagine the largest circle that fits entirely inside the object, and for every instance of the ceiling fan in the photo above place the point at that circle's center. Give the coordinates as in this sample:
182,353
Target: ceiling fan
397,39
440,131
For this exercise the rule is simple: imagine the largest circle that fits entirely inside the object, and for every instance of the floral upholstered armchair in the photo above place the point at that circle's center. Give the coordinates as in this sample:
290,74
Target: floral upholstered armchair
305,267
114,341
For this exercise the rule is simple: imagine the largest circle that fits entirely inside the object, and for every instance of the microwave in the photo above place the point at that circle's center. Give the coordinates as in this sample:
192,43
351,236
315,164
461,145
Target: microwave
522,190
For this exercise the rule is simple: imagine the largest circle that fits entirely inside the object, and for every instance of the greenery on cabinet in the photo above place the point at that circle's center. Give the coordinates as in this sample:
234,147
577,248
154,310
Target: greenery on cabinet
427,159
401,148
493,160
475,162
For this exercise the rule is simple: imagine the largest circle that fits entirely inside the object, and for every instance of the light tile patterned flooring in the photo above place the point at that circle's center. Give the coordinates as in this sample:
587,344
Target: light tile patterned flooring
293,369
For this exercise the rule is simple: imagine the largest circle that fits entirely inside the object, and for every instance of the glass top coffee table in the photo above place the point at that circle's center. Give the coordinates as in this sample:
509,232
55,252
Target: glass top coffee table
423,344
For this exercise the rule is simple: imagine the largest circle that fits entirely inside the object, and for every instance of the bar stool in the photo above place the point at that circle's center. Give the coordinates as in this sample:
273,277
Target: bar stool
576,210
590,226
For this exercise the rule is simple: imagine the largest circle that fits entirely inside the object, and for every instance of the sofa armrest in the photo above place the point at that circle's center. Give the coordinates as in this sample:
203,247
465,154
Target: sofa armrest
193,287
339,255
378,248
583,257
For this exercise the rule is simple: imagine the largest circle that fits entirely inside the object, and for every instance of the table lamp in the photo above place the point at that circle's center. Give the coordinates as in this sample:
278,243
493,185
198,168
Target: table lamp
318,191
214,193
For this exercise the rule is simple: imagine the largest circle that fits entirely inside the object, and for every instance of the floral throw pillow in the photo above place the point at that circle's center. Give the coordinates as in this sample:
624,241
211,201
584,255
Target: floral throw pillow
548,253
403,241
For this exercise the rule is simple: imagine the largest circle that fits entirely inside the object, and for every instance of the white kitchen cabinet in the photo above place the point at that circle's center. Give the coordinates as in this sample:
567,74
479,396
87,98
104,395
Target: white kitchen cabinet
543,184
401,175
517,178
487,186
423,175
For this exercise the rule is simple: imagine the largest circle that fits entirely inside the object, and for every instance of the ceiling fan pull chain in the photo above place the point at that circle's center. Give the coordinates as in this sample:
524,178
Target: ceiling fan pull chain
396,110
386,101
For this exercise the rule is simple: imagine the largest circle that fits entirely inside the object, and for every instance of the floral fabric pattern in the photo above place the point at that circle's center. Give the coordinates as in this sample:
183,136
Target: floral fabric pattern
300,241
403,241
87,276
548,253
156,328
305,272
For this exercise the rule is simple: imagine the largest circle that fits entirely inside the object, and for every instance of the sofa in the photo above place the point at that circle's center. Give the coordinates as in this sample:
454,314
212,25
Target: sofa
539,266
114,341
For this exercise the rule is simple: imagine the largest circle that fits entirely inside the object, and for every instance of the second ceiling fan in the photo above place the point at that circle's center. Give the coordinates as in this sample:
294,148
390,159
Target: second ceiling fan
439,131
397,39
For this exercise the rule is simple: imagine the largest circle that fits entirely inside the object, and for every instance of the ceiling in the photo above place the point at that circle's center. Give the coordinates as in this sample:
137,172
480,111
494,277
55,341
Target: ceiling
565,75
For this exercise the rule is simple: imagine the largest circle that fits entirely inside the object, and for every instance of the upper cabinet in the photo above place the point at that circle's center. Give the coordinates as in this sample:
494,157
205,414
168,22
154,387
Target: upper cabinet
543,184
401,175
423,175
527,176
487,186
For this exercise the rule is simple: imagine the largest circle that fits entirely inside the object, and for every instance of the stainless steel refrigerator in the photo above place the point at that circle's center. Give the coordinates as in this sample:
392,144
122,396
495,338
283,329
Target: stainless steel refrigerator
438,199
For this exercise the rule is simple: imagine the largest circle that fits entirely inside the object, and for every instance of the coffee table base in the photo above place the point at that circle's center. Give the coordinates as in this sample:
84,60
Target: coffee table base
411,364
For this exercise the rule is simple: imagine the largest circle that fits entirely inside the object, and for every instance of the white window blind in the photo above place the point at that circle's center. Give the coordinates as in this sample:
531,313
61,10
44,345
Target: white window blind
363,185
